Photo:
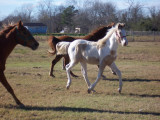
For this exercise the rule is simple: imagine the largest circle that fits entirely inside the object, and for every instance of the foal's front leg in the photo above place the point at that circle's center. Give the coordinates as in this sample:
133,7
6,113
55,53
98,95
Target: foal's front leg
100,72
118,72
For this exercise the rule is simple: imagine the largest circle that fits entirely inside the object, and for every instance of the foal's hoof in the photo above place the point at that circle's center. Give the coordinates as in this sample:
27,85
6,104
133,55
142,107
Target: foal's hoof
119,90
89,91
114,73
67,87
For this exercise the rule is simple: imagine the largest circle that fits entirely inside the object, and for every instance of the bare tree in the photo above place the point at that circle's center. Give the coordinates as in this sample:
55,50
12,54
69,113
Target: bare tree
100,13
24,13
50,14
155,17
45,13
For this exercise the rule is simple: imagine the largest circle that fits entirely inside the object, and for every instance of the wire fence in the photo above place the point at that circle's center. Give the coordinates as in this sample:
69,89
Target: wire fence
143,36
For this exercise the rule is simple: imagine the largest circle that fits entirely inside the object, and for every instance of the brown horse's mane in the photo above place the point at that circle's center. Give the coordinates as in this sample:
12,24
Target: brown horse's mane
7,29
98,32
94,33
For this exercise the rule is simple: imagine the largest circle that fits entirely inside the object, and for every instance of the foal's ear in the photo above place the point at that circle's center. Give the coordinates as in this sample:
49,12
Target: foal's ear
20,24
121,25
112,24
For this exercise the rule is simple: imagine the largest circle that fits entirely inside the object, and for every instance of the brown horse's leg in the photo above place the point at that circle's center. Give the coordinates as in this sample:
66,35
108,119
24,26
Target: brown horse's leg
66,61
9,88
56,59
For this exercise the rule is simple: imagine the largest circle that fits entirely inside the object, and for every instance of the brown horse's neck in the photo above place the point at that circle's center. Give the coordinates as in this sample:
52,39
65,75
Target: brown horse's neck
8,43
11,46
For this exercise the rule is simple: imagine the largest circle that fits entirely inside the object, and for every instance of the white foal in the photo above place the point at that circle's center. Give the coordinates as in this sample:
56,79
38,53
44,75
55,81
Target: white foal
102,53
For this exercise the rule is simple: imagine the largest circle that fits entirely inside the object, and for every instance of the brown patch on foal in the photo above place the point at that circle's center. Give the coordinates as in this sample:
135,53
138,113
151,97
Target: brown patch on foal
109,59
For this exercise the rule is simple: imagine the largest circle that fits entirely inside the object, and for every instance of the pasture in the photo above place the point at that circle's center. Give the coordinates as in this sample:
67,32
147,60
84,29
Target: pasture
46,98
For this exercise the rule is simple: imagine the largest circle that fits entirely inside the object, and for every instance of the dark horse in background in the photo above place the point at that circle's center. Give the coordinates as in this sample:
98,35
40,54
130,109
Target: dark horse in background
93,36
9,38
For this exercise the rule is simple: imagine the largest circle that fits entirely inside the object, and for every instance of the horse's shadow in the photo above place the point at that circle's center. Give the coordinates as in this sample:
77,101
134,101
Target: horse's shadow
136,80
142,95
74,109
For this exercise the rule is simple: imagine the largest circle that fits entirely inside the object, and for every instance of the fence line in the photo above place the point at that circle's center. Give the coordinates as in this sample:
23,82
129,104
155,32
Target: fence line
143,36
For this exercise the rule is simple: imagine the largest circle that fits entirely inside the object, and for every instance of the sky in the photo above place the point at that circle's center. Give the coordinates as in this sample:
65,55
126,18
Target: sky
7,7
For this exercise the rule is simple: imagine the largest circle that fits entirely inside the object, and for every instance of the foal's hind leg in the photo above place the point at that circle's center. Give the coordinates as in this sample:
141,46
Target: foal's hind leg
9,88
56,59
84,73
118,72
68,69
66,61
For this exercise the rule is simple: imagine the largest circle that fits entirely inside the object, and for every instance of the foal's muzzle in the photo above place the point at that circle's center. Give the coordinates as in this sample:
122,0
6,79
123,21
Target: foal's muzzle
126,43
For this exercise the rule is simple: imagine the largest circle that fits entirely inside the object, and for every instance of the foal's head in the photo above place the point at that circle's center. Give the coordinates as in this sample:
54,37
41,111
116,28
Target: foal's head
24,37
121,34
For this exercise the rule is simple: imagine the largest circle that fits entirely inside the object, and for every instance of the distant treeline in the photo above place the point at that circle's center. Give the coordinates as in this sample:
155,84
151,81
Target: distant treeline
88,15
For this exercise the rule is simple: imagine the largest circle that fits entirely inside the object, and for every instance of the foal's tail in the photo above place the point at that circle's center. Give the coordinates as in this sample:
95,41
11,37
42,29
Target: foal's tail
52,41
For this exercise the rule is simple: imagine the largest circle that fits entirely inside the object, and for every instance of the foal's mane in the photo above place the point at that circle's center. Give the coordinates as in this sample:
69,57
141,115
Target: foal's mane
103,40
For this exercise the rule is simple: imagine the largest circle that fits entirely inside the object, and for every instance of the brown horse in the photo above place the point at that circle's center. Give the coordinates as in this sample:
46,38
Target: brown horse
93,36
9,38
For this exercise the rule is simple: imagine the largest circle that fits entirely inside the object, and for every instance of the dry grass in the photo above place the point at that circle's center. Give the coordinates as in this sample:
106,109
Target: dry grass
47,98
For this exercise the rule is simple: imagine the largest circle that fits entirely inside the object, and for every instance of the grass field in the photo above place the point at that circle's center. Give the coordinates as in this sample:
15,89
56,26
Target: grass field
46,98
